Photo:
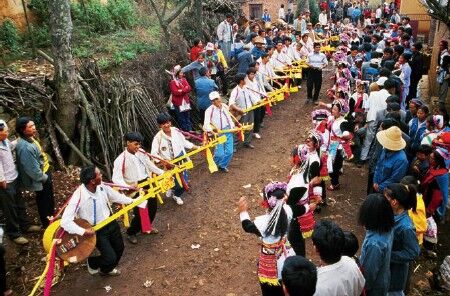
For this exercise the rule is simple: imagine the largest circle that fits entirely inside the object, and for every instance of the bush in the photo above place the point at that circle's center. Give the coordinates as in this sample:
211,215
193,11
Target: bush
95,16
315,11
122,13
40,9
9,37
41,35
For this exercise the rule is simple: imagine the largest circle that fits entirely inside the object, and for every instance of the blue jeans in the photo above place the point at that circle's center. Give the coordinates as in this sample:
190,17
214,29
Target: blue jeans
224,152
179,189
184,119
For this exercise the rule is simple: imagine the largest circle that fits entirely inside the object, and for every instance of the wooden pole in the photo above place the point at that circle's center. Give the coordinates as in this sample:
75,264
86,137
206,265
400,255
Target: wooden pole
33,45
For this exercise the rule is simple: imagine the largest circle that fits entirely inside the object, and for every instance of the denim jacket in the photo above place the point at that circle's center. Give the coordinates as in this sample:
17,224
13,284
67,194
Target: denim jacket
405,248
29,164
374,260
391,168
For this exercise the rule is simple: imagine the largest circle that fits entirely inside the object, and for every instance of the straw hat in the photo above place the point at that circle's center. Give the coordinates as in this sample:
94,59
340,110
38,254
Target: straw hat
391,139
259,39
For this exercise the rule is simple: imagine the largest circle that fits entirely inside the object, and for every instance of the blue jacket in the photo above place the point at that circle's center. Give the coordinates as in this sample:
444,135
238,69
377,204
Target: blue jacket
405,248
203,87
391,168
266,17
29,164
374,260
416,131
257,53
442,181
244,60
195,66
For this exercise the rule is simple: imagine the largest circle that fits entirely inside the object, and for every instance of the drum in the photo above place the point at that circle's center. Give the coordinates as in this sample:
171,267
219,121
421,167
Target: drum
72,248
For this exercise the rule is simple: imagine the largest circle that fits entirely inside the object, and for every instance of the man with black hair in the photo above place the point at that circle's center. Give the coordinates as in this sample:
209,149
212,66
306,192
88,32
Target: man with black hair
92,201
417,64
241,99
316,61
11,200
33,166
338,275
203,87
299,276
131,167
225,35
169,143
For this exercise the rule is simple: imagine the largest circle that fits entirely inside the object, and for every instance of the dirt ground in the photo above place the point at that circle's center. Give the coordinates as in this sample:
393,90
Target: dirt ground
225,262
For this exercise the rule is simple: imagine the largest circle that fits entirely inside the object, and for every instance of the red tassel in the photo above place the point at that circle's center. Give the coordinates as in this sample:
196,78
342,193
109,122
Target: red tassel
184,183
146,224
50,271
268,110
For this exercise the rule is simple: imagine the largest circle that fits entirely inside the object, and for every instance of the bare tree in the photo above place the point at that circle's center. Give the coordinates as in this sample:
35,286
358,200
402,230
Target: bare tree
438,9
166,17
65,77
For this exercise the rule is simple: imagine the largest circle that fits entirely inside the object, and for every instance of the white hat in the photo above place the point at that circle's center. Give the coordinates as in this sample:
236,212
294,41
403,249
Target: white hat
247,46
381,81
214,95
209,46
3,123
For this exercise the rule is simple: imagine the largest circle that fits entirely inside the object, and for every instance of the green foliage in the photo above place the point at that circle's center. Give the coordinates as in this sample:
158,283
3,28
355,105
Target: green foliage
122,13
40,9
41,35
9,37
315,11
99,18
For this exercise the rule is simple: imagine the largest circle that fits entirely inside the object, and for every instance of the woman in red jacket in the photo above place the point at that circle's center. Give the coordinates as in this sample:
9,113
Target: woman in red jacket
180,89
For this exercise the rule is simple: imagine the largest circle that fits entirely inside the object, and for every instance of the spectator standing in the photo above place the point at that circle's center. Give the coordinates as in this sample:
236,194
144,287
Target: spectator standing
338,275
266,16
392,164
225,35
405,247
196,50
376,215
203,87
180,89
299,276
11,200
33,166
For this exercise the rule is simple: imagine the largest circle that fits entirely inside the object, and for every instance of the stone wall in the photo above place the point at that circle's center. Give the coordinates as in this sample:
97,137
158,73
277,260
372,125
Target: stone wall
270,5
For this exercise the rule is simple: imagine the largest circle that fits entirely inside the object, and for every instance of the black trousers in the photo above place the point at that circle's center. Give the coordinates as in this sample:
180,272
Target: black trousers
110,245
370,183
296,239
337,165
14,210
258,118
314,84
45,201
202,115
270,290
135,224
3,288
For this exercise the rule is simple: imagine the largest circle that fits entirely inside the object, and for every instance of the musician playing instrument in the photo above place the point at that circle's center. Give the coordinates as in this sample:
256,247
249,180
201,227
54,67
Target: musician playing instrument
91,201
169,143
131,167
217,116
241,99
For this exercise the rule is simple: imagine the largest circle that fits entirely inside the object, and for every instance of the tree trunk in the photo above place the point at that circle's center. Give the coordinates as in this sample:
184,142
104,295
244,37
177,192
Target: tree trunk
65,77
198,13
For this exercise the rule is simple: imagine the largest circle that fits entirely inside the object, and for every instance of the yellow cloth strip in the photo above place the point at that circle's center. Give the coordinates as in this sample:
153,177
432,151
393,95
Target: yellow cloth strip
46,164
215,142
272,282
244,127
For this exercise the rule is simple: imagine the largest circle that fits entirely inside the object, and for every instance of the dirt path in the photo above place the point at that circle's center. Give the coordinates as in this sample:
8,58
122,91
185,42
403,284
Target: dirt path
225,263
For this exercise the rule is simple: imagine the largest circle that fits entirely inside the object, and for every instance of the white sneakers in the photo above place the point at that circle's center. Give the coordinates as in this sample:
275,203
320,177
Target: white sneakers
178,200
91,270
257,136
169,193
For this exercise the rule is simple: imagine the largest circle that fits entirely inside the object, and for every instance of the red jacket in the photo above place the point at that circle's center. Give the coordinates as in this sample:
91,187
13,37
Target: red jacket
195,50
180,90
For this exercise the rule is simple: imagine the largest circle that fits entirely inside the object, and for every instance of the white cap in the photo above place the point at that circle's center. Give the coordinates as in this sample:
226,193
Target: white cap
214,95
209,46
381,81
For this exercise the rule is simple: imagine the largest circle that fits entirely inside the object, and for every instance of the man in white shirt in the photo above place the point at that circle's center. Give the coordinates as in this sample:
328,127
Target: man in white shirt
255,91
12,202
131,167
316,61
279,58
375,103
323,18
91,201
378,14
217,116
169,143
225,35
339,275
281,13
240,100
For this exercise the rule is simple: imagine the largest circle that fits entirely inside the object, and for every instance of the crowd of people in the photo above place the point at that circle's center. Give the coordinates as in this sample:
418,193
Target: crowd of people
373,116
